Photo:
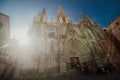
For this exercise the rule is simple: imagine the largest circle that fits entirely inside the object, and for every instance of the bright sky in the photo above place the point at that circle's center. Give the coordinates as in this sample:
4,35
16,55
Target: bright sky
21,12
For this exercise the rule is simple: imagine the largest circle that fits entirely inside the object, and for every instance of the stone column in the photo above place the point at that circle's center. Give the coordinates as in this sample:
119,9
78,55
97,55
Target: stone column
62,63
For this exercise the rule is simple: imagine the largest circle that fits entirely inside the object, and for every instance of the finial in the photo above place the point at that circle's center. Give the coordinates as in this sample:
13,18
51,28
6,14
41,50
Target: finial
59,7
84,18
81,13
43,11
79,20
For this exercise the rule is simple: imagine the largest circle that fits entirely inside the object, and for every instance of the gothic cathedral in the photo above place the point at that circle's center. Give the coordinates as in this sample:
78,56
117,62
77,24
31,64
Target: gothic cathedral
60,45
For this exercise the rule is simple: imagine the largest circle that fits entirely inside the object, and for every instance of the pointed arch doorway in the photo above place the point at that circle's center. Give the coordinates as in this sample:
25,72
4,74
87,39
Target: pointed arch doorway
74,62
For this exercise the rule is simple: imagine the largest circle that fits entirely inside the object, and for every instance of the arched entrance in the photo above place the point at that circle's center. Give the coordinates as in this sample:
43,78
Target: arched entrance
74,62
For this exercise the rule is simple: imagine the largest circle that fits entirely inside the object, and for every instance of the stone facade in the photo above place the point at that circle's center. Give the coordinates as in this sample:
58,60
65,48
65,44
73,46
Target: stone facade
113,30
60,45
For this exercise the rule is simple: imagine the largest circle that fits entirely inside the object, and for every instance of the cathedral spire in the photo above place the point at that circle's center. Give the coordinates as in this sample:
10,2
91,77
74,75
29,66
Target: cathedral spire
41,17
87,20
59,8
84,18
61,17
43,12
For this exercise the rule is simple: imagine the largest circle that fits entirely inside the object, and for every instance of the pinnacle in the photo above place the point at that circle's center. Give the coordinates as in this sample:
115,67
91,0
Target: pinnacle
83,16
59,8
43,11
41,17
79,20
61,17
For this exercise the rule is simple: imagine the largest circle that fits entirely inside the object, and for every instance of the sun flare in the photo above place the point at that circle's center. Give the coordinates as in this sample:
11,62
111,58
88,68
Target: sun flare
24,41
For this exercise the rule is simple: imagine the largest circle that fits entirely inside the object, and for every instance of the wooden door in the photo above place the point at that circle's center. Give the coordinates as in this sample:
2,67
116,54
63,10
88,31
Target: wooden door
74,61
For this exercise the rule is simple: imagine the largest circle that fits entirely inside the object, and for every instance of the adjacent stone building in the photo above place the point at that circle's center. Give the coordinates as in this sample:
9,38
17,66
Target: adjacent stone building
4,44
4,29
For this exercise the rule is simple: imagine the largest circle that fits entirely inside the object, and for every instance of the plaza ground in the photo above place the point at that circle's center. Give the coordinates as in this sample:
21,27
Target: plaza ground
76,75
